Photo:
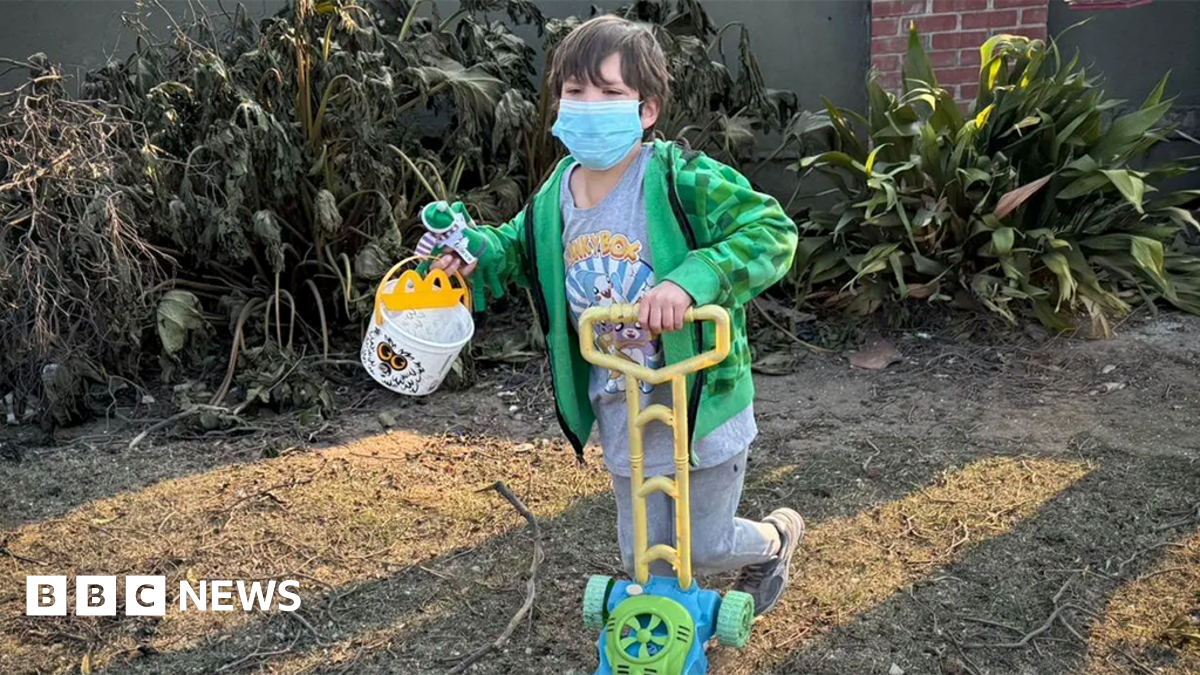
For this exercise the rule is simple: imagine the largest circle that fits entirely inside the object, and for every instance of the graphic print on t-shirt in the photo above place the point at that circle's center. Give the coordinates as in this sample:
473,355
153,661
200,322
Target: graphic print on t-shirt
605,269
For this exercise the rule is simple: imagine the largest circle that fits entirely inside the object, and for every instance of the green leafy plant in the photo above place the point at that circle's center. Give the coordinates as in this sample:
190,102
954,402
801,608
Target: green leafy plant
1033,202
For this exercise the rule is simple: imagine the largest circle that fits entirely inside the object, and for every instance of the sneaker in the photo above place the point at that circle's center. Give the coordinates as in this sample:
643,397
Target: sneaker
767,581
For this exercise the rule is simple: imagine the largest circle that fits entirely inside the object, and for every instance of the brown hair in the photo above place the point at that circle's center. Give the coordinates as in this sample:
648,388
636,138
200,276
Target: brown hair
643,64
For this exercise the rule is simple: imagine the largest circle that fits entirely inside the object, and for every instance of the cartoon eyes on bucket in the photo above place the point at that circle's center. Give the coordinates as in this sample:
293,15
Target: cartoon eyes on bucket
391,358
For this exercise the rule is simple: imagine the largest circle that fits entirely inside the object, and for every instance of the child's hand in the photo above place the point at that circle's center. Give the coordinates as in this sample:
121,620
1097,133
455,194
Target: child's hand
451,263
663,308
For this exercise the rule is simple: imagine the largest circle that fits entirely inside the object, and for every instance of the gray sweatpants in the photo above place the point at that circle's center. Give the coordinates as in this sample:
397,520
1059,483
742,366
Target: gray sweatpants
720,540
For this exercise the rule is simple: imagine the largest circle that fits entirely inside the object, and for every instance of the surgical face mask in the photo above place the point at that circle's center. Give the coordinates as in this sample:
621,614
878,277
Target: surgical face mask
599,134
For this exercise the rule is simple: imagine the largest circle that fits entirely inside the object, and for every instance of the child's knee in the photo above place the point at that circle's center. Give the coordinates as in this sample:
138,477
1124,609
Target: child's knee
711,554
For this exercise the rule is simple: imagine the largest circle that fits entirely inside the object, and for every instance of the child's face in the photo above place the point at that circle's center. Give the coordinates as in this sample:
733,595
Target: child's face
613,88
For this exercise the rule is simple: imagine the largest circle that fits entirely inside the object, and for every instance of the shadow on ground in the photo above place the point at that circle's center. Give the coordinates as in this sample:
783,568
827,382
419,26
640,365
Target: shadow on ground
1093,538
937,520
95,461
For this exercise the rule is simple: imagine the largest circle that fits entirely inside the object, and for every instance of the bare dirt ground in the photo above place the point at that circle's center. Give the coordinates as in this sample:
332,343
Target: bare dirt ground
994,504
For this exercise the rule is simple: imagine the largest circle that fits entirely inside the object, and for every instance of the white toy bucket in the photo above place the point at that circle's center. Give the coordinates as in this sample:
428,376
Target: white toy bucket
417,330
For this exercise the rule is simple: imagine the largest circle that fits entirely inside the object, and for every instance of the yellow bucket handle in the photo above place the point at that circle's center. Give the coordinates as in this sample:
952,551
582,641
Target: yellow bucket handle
432,291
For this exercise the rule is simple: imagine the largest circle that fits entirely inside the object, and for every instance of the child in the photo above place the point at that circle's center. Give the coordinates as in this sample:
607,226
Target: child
603,229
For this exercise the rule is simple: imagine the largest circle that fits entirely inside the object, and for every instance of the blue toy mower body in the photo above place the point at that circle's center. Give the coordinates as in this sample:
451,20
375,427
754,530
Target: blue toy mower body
660,629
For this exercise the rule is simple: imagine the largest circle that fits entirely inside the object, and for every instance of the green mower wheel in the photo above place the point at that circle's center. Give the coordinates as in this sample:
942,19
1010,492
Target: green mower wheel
735,618
595,601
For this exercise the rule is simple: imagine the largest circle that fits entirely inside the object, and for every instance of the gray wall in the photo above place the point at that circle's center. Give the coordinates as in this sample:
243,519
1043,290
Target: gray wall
813,47
810,46
816,47
1133,48
83,34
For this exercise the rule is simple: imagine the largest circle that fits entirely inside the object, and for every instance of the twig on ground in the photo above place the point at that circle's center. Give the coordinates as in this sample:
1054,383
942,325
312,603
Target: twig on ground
266,492
14,556
165,520
353,662
162,425
1056,615
986,622
970,667
966,538
773,322
1066,624
193,410
330,609
867,464
1193,517
530,583
1138,554
1158,572
1137,664
256,654
436,573
310,577
1024,640
320,640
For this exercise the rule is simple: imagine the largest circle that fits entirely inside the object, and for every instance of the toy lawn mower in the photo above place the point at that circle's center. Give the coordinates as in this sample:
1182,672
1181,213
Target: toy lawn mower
657,625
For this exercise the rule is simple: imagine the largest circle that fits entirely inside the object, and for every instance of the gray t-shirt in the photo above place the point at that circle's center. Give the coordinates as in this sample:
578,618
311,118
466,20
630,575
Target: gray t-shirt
607,262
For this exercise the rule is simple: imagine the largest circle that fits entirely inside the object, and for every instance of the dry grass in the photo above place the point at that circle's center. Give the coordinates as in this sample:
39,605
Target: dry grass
390,506
1131,632
850,565
331,519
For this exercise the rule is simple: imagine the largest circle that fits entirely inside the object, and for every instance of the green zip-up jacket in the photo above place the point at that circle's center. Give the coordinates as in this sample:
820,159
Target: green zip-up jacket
715,237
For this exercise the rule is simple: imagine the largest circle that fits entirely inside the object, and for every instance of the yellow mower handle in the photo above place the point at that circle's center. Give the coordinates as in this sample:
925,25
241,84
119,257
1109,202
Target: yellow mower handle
629,314
678,488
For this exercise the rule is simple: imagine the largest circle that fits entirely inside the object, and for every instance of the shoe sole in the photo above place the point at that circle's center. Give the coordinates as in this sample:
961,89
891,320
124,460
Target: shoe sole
783,516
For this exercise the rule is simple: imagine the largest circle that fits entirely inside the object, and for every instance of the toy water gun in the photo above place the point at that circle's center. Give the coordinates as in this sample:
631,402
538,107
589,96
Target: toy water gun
449,227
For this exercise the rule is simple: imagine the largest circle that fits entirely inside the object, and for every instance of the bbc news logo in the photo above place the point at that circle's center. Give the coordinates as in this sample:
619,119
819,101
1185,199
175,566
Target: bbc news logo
147,595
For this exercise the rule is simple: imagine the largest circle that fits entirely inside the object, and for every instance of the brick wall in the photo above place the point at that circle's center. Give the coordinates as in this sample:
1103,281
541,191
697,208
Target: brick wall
952,31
